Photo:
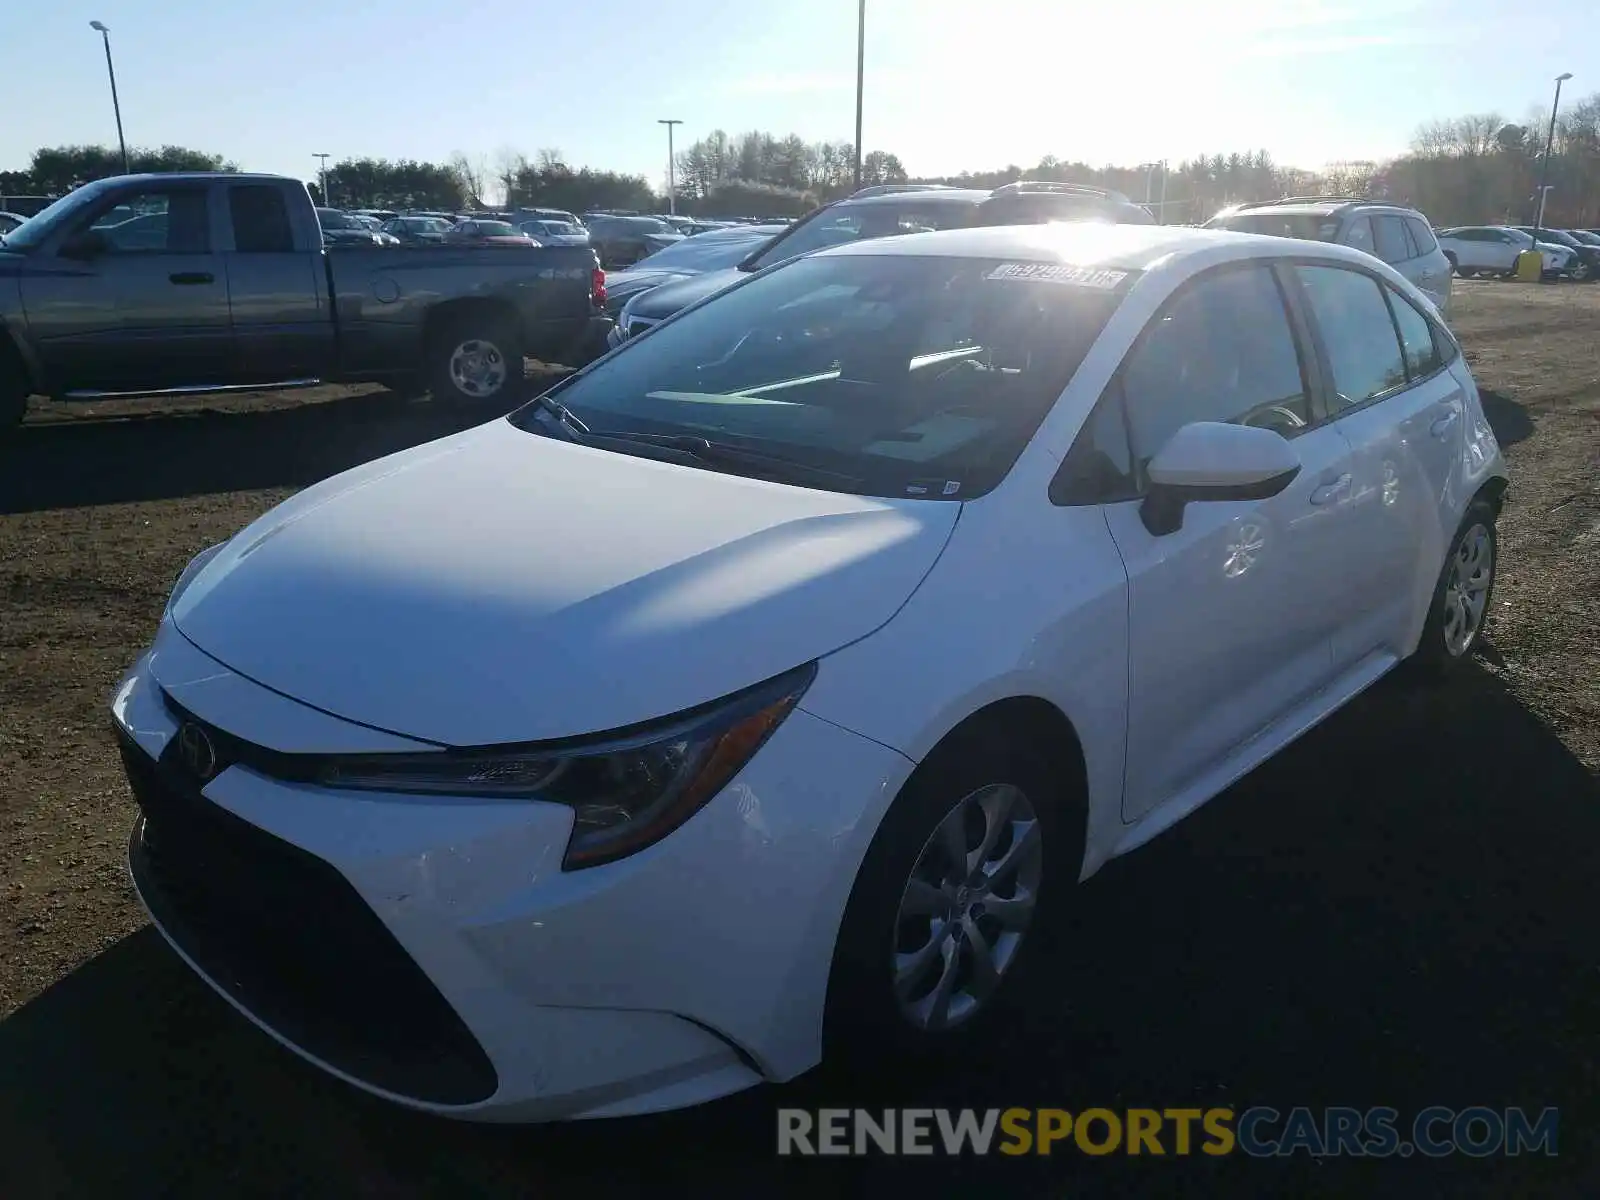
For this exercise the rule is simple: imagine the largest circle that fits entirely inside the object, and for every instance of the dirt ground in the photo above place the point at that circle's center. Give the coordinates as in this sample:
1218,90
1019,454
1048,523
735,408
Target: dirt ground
1400,910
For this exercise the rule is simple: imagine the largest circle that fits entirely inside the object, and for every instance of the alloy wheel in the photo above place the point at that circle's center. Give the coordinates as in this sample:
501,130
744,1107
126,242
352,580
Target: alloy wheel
1466,592
966,907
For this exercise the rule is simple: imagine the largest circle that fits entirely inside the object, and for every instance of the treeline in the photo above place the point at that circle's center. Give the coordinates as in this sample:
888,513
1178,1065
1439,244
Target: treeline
1475,168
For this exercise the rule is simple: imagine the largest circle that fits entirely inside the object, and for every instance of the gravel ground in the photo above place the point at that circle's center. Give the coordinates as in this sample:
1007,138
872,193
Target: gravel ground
1400,910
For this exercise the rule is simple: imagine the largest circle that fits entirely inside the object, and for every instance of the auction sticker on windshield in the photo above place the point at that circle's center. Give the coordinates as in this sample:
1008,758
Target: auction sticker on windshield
1090,277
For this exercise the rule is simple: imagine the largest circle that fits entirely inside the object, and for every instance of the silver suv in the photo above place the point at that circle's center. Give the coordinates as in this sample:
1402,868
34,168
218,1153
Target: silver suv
1400,236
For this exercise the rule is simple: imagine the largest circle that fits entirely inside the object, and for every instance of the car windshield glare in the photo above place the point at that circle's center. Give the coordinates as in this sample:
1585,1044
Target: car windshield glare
703,253
857,222
911,375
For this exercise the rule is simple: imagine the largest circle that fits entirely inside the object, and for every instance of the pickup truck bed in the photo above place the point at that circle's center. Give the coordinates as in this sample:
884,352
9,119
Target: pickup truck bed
159,284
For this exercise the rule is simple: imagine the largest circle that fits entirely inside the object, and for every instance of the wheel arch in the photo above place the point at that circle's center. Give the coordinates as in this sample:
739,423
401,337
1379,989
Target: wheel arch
1026,720
442,316
1493,493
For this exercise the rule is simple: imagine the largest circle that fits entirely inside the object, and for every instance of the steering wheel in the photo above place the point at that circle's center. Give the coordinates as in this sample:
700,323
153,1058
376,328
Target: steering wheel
1288,417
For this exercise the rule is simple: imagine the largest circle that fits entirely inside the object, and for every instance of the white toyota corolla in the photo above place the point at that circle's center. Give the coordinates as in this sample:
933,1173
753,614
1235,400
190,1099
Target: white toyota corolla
771,683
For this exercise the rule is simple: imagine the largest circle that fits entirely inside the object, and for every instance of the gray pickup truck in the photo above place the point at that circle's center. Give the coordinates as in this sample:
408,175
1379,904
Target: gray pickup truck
169,284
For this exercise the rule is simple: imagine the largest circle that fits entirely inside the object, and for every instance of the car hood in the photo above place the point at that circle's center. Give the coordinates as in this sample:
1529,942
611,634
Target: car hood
641,279
669,298
501,586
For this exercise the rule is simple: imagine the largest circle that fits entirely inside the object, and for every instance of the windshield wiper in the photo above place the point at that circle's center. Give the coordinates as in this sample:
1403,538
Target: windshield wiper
566,420
725,455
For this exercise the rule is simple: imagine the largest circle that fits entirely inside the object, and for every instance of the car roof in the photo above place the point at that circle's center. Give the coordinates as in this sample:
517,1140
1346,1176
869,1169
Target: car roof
920,199
1093,243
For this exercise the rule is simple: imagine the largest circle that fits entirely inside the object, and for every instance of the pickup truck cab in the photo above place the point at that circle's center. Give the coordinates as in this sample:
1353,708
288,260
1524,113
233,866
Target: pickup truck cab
159,284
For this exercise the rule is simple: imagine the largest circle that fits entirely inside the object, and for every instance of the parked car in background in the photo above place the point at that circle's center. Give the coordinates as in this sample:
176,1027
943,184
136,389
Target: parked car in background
487,233
623,241
560,215
1493,250
9,221
717,250
340,228
767,691
1585,236
1585,264
376,226
1029,202
242,293
380,215
418,231
555,233
1399,236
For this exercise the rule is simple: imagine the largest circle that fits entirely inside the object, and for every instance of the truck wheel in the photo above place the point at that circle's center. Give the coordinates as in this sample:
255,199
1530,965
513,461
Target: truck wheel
477,360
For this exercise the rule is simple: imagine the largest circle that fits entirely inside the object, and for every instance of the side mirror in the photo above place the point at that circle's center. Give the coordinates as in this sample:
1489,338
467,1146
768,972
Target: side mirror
83,246
1210,460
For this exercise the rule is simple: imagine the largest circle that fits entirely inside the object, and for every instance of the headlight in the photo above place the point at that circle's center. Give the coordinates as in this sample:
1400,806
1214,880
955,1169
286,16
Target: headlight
196,565
627,790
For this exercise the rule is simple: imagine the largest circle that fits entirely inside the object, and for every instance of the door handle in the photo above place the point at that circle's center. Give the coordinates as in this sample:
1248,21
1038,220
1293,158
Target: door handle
1444,424
1329,492
192,277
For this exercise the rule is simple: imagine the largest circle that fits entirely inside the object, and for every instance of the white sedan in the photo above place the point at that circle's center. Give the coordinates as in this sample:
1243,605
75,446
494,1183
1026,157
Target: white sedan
770,685
1493,249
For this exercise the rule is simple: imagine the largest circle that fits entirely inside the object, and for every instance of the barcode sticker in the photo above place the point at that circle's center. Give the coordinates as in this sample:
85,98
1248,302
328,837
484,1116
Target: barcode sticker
1090,277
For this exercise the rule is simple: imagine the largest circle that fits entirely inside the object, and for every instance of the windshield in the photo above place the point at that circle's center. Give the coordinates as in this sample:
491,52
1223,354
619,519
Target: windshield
492,228
1308,227
64,211
332,218
1584,236
1553,235
703,252
853,223
914,376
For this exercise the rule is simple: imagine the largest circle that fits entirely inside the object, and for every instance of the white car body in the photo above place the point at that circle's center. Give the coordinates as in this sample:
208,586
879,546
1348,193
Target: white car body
429,600
1495,248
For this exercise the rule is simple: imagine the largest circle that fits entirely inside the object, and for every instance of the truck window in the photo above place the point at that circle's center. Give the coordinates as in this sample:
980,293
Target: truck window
171,221
260,219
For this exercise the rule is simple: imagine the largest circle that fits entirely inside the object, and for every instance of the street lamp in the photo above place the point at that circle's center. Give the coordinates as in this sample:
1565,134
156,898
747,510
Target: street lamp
672,177
1544,169
861,66
105,36
322,175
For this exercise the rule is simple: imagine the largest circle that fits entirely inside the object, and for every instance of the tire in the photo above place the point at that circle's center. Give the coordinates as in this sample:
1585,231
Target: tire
956,787
476,360
1581,272
1442,650
1467,272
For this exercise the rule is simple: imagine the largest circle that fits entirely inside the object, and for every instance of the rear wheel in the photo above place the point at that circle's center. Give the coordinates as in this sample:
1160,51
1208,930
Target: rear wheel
477,360
1461,598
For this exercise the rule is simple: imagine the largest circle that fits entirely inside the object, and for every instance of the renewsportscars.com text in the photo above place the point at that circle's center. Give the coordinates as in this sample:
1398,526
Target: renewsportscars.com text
1258,1132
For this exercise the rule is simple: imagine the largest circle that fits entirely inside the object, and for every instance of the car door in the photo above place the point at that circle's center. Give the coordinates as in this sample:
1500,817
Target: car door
1429,269
1475,249
1231,616
282,326
145,308
1403,415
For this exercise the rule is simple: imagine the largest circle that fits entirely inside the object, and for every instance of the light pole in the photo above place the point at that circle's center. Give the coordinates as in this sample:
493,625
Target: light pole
1544,169
861,69
322,175
672,167
116,106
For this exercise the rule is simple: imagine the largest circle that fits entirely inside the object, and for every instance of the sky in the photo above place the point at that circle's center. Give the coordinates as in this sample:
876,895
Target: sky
950,84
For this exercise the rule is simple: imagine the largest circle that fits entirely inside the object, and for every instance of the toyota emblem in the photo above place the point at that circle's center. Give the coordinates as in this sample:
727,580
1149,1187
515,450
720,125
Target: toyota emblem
196,751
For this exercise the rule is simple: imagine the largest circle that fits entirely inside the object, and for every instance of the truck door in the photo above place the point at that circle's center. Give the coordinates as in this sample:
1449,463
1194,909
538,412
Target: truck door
277,289
133,299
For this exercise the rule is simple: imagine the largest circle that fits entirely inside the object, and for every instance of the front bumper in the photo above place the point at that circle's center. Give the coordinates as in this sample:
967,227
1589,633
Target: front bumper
432,951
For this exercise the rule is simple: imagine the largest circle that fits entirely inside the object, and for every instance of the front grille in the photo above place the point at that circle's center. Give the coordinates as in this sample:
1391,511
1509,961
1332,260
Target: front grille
288,937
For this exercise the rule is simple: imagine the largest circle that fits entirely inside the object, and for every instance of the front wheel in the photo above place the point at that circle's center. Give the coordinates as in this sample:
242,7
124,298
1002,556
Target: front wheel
476,360
1461,598
1581,272
969,871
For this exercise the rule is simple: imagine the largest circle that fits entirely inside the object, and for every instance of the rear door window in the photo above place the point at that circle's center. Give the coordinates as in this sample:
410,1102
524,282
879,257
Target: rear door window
1359,235
1391,239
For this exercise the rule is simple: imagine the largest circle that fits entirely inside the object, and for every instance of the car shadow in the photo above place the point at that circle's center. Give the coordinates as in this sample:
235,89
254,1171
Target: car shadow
1509,420
166,455
1398,911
